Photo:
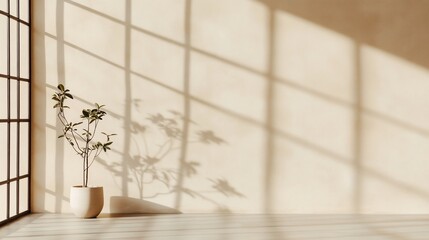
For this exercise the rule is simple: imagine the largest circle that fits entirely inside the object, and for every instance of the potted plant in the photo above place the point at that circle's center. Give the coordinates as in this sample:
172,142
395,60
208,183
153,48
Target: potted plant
86,201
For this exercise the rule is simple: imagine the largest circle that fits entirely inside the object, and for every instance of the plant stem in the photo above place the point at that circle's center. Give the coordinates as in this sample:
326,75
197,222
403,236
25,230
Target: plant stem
87,171
86,155
83,173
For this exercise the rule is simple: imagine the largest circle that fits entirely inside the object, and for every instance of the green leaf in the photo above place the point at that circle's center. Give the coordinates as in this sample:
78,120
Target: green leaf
105,148
61,87
85,113
69,95
60,136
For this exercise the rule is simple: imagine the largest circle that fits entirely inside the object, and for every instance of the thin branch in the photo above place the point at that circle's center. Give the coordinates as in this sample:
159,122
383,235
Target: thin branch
157,194
76,150
95,156
62,117
138,182
163,145
145,144
189,142
90,152
95,128
168,150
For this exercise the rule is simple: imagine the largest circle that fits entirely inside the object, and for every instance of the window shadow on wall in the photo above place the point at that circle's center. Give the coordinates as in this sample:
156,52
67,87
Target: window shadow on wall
353,19
133,168
366,23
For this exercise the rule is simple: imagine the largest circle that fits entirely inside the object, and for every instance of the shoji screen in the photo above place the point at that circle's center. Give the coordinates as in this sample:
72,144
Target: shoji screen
15,80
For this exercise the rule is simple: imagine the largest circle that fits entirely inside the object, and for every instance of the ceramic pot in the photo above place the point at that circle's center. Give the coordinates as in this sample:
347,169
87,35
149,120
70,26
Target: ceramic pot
86,202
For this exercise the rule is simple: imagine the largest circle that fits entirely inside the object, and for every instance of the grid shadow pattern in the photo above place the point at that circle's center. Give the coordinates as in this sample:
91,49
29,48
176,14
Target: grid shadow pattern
15,91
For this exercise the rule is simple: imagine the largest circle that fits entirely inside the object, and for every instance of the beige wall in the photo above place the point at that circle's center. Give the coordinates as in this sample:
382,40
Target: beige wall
290,106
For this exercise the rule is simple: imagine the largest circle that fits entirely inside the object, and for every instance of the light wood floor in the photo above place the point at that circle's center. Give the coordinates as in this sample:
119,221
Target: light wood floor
220,226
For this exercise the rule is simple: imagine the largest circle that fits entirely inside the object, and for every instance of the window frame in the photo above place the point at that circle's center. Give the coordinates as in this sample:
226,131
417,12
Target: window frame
17,120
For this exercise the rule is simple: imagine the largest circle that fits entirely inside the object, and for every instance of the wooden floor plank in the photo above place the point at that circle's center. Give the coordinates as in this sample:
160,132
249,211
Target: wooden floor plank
220,226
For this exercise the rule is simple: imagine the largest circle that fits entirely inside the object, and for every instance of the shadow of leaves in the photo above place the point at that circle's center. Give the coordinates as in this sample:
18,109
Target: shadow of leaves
148,165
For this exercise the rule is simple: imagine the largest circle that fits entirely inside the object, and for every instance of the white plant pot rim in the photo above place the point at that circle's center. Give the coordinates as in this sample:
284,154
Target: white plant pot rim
80,186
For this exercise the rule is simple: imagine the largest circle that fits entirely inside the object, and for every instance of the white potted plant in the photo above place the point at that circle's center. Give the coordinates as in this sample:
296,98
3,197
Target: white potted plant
86,201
